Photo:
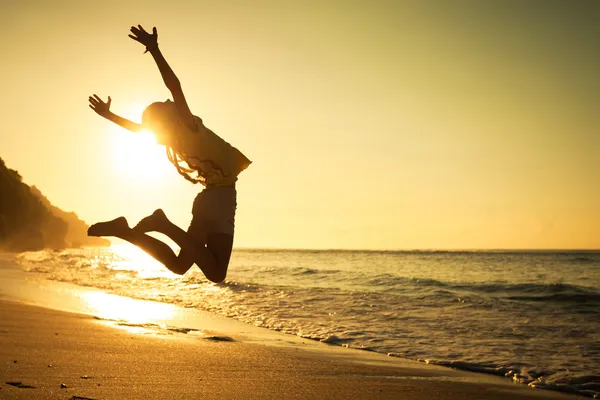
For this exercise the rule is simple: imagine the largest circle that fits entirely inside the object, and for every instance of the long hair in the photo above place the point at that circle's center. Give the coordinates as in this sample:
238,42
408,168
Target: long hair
176,159
193,169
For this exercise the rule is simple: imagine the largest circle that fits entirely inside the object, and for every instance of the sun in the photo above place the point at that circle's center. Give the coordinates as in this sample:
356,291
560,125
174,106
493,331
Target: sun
139,156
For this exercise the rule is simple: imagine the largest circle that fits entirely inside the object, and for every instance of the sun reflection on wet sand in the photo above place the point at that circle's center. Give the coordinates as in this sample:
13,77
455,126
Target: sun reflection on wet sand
112,307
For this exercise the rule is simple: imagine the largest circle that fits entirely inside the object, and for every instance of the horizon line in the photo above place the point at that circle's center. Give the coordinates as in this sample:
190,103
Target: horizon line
431,250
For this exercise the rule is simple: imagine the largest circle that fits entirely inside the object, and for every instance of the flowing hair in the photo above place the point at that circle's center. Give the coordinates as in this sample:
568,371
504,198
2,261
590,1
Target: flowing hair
206,170
191,168
186,171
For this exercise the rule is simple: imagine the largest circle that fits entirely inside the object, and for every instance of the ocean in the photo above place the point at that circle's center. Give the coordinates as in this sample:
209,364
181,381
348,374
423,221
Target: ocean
533,317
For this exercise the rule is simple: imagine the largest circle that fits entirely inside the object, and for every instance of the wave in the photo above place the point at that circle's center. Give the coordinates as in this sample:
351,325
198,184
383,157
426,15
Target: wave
395,281
555,292
584,260
311,271
581,299
559,293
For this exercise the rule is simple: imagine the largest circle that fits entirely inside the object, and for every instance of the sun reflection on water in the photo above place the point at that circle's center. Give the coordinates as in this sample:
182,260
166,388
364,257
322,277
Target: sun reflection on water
132,258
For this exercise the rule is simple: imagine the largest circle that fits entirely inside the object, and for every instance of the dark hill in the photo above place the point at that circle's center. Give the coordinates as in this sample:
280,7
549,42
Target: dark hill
28,221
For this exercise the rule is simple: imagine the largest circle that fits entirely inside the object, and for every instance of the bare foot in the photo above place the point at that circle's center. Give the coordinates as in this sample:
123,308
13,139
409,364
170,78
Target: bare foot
152,223
117,227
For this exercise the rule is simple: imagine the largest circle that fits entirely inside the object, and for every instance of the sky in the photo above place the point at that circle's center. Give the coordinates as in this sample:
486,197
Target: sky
370,124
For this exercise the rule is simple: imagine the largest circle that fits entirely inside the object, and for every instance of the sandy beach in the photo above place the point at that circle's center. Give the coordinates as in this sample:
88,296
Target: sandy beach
93,356
45,349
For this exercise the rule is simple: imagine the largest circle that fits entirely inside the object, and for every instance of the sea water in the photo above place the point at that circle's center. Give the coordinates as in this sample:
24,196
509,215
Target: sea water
531,316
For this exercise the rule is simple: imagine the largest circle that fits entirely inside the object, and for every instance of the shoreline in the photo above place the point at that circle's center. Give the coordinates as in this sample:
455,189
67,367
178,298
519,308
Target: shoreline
56,354
301,368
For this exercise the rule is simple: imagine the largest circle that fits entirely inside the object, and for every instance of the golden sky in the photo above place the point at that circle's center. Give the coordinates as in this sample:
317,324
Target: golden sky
371,124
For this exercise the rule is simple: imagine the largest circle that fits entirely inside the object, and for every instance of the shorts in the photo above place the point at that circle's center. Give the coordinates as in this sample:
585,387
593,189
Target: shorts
214,211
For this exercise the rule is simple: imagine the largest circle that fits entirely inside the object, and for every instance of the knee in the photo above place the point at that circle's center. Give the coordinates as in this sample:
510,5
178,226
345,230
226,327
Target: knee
179,268
217,276
178,271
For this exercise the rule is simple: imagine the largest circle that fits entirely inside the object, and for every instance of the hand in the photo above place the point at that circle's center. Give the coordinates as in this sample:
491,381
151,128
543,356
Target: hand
140,35
101,108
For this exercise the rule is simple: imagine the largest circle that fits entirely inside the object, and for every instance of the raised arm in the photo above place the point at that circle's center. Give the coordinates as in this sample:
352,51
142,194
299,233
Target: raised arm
171,81
103,109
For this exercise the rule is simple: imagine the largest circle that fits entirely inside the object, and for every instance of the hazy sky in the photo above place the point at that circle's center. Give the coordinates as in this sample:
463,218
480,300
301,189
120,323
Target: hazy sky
371,124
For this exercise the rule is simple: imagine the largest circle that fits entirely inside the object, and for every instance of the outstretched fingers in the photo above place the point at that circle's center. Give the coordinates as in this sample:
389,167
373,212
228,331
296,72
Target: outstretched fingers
136,34
96,99
98,105
140,35
134,38
93,102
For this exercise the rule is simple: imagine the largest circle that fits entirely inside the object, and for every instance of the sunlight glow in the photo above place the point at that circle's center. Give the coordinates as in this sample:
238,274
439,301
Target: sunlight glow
139,156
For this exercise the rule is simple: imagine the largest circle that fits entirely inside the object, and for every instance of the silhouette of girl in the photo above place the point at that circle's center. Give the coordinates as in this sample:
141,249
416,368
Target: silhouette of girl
200,156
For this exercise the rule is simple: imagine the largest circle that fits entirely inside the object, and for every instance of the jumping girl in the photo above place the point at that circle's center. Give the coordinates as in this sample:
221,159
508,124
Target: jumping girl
200,156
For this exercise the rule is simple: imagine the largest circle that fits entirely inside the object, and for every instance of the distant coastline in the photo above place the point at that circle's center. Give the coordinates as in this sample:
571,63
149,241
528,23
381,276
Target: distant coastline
29,221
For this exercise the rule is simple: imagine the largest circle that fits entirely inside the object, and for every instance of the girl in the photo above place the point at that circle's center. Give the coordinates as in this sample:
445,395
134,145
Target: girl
200,156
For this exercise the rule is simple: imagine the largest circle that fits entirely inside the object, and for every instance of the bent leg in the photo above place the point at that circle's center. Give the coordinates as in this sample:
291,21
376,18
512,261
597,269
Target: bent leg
160,251
213,260
157,249
210,251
